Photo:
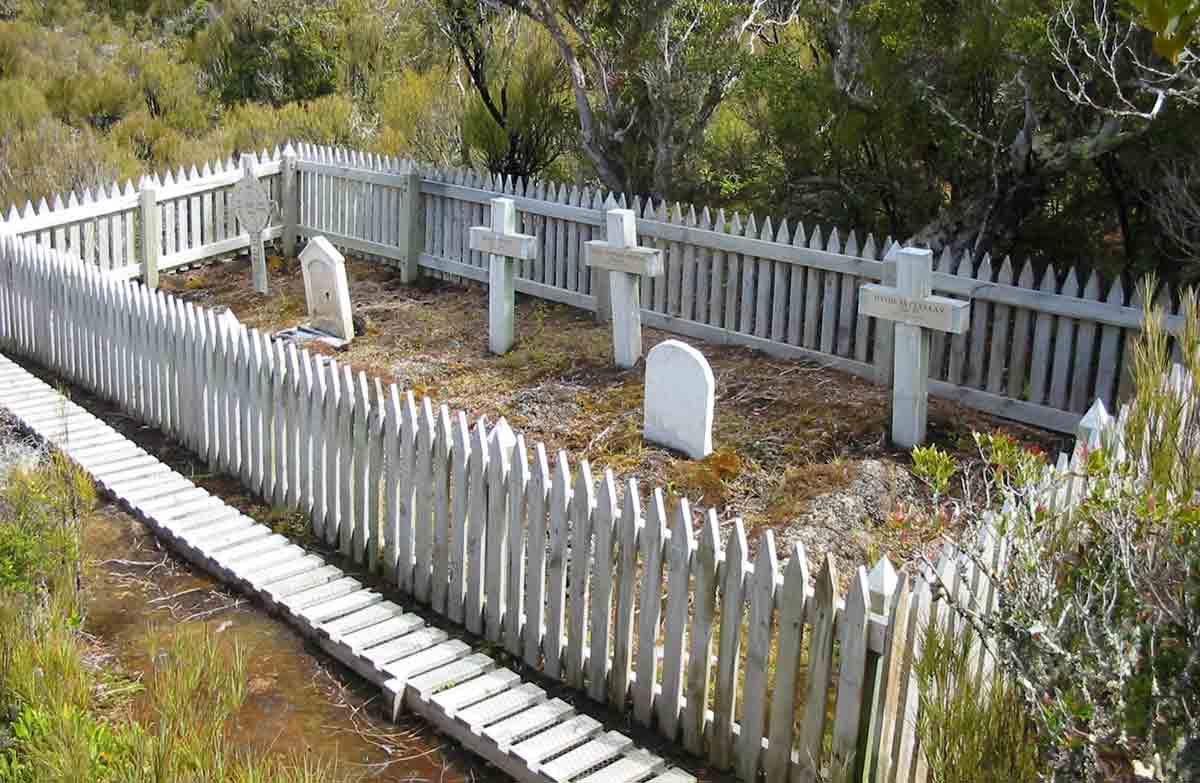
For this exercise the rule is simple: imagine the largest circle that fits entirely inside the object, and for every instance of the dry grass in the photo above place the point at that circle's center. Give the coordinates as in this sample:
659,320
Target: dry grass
784,431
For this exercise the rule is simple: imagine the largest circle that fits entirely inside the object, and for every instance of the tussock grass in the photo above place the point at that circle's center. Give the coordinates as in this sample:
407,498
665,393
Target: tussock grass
64,716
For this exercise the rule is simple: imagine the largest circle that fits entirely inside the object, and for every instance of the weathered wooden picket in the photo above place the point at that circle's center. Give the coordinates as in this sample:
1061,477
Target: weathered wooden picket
753,664
1039,349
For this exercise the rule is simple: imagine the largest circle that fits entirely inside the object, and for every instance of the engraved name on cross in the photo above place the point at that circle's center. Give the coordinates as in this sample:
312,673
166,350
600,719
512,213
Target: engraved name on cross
911,305
253,206
504,247
625,262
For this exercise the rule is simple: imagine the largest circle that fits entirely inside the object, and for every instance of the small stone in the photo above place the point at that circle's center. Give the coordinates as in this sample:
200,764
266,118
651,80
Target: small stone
680,395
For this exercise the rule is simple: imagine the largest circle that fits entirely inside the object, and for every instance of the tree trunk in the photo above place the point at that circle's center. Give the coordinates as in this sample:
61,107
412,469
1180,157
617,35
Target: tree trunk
977,224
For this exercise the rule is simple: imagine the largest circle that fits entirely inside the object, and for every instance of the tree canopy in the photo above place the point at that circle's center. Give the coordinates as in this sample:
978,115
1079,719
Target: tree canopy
1059,130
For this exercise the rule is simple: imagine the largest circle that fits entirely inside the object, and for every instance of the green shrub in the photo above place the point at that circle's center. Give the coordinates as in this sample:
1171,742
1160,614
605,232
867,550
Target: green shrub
970,731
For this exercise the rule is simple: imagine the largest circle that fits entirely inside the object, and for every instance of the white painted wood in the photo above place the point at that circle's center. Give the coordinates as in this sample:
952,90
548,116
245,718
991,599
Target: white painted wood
820,667
649,608
761,590
556,574
679,560
721,750
791,601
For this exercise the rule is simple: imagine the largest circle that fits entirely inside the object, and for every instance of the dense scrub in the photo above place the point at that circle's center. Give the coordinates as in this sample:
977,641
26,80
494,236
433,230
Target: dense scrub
982,127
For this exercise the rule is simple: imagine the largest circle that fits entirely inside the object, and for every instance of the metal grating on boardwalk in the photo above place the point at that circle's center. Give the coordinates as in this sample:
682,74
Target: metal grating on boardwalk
466,695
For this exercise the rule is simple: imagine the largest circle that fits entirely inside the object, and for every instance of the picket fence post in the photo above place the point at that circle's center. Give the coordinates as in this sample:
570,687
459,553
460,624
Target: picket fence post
151,235
411,229
290,206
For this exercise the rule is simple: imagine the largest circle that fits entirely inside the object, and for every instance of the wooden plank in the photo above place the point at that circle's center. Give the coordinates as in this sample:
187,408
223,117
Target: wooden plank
1021,335
496,565
583,504
626,585
704,568
761,589
424,490
443,459
998,359
852,658
792,603
537,718
1107,371
563,736
497,708
459,505
981,317
594,753
1042,332
556,575
721,750
679,560
477,526
604,522
1064,344
820,667
650,609
1082,391
514,610
537,494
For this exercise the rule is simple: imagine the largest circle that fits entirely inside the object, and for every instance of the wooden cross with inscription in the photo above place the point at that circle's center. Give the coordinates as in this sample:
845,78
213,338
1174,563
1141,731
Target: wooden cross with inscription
915,310
504,247
625,262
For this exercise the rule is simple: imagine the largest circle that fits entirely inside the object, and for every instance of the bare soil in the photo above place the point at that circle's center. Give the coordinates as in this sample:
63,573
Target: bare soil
786,433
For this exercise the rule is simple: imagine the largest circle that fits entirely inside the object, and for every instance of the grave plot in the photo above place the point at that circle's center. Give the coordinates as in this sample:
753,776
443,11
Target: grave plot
797,448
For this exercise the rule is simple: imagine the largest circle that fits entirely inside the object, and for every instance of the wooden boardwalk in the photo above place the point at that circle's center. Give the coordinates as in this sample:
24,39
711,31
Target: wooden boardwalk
512,724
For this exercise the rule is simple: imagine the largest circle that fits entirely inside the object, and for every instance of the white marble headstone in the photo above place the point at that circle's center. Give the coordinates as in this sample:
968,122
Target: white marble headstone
680,389
326,288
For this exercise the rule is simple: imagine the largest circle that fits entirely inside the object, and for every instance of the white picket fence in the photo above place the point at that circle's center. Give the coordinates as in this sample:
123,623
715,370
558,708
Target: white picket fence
1039,349
586,578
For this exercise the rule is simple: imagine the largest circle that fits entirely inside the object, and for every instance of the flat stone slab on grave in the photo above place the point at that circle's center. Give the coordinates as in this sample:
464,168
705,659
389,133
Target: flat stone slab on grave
680,392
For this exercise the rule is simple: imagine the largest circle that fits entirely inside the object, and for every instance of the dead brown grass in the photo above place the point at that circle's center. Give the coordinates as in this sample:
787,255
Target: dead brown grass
784,431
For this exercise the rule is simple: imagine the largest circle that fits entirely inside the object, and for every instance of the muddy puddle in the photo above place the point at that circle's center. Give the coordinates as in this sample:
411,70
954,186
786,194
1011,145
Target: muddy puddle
298,701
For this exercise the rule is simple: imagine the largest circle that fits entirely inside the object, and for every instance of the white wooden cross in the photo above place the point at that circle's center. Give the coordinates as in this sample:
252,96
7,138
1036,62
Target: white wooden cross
911,305
252,204
625,261
504,247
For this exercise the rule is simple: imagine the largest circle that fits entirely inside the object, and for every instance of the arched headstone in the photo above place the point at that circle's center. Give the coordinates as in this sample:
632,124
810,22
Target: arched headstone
680,390
326,289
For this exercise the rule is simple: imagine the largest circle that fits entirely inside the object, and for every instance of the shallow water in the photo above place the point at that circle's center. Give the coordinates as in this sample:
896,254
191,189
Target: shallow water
298,700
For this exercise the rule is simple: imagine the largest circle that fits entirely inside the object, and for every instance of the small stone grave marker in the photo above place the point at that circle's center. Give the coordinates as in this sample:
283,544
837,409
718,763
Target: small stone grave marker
911,304
252,205
504,247
326,289
625,262
680,390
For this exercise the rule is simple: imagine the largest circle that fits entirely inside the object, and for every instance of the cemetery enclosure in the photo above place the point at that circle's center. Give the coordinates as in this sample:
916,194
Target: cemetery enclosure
1038,350
785,432
581,576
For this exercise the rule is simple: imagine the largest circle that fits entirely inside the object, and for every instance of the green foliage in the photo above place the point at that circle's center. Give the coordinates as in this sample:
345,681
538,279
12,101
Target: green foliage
1097,618
934,467
65,718
1175,24
970,730
421,117
535,118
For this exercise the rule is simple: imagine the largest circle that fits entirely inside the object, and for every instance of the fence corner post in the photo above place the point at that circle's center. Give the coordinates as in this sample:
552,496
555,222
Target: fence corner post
290,211
151,235
412,234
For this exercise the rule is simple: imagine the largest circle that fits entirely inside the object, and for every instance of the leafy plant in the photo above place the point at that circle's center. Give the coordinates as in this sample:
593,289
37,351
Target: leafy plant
934,467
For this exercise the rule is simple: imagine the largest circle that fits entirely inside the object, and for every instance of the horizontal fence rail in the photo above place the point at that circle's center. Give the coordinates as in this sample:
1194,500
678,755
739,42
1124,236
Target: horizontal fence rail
1039,348
756,664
